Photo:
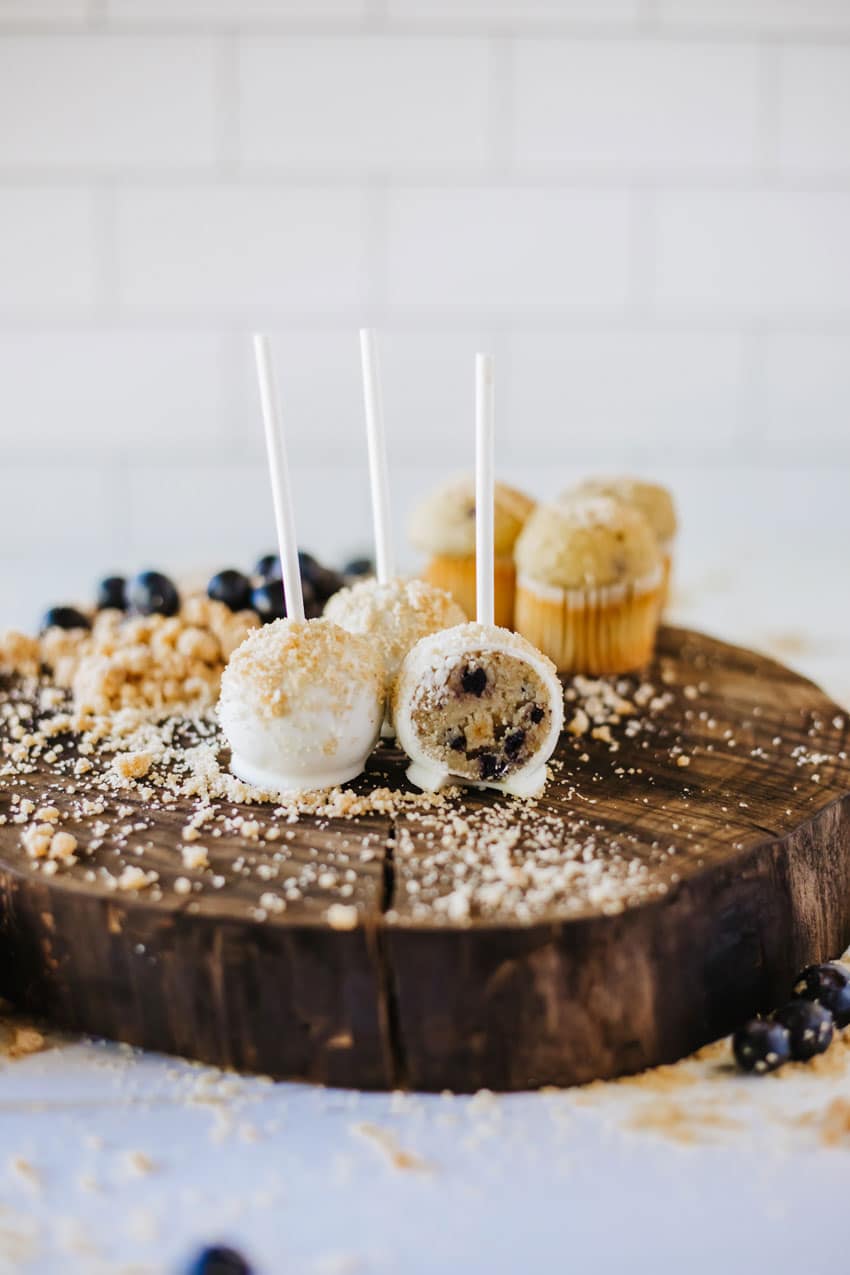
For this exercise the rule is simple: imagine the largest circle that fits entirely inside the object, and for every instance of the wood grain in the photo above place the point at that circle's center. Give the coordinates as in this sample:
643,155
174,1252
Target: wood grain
758,886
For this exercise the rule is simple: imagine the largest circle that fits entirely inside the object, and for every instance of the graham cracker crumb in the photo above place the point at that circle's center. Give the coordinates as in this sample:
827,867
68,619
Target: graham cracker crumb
385,1142
133,765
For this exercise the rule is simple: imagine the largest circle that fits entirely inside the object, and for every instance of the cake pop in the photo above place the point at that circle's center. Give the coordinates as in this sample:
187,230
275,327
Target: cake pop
301,705
301,700
392,612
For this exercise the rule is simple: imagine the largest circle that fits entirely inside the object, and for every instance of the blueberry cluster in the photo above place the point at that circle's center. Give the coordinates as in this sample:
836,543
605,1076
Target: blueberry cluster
148,593
802,1028
152,593
318,583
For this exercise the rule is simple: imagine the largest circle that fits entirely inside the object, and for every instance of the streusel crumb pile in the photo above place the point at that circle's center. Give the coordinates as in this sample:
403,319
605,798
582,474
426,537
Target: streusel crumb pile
150,663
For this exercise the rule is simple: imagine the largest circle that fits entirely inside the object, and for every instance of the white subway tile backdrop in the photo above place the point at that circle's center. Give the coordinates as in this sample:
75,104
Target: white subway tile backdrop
641,206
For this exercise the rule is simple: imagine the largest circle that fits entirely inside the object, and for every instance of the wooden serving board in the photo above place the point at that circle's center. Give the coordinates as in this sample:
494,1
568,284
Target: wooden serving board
741,868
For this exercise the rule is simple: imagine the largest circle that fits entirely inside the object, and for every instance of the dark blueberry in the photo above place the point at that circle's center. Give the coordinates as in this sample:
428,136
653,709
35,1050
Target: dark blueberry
514,741
267,601
536,713
474,681
308,565
761,1045
64,618
490,766
325,582
313,608
232,588
152,593
218,1260
268,567
112,593
359,567
457,742
829,985
322,582
810,1027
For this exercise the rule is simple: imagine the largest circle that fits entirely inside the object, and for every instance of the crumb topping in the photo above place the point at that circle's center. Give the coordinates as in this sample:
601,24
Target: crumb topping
394,615
278,664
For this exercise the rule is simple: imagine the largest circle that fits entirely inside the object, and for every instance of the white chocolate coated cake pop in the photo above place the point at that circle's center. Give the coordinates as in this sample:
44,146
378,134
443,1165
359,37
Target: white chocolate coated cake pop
301,701
301,704
394,615
391,612
479,704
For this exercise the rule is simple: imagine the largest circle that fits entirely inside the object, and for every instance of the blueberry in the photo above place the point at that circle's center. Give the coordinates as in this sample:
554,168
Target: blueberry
325,582
809,1025
473,681
457,742
152,593
761,1045
359,567
317,581
267,601
64,618
112,593
829,985
514,741
309,566
232,588
218,1260
490,766
268,567
536,713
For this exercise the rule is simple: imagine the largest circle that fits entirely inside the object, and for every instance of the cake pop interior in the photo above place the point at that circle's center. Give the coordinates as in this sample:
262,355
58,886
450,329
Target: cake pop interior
487,719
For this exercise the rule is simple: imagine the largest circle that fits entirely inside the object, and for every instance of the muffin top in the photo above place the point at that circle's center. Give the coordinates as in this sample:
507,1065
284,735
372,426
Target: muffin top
587,542
651,499
444,523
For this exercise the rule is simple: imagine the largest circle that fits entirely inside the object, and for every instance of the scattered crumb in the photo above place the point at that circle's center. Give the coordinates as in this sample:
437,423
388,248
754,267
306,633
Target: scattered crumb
386,1143
138,1163
25,1041
26,1172
681,1123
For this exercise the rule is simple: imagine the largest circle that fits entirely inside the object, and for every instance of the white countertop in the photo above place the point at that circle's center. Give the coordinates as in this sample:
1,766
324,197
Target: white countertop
528,1182
131,1161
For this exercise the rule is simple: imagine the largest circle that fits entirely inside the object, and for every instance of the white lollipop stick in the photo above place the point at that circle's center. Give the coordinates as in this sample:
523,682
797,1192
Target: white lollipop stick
378,476
279,473
484,429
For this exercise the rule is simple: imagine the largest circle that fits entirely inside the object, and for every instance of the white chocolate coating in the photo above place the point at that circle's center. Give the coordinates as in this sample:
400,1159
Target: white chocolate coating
301,705
427,669
393,616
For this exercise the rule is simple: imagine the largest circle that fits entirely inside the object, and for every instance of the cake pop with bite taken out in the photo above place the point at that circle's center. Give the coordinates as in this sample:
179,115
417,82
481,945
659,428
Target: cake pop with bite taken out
478,703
